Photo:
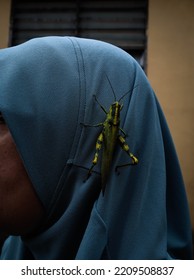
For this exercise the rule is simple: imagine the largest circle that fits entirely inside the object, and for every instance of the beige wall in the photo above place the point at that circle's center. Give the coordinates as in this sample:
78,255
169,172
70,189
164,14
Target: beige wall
4,22
171,73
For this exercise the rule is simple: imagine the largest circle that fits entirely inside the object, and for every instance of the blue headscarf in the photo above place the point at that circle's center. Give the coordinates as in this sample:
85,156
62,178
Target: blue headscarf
46,92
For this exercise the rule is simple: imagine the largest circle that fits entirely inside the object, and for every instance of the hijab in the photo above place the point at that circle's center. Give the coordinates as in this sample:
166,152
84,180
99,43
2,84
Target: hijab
47,89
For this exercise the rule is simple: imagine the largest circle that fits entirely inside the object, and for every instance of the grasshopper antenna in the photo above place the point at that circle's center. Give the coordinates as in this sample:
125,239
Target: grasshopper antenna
127,93
124,95
111,87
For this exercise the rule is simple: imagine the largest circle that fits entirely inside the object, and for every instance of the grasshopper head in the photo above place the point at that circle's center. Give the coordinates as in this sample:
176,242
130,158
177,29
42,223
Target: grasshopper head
117,107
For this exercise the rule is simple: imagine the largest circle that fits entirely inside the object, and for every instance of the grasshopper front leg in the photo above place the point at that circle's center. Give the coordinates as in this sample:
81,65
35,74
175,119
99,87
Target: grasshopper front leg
100,104
125,147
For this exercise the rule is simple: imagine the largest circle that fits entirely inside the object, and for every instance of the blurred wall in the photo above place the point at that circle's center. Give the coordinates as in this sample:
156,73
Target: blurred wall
4,22
170,69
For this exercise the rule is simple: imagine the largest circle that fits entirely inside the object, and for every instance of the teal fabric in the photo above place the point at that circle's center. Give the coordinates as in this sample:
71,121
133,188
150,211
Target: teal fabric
46,91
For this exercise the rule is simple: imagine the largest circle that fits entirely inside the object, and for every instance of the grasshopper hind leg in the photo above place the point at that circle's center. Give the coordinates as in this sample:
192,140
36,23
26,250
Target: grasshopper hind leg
95,159
125,147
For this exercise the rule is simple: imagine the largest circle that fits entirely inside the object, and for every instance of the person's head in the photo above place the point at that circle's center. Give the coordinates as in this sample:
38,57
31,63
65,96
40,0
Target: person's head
46,92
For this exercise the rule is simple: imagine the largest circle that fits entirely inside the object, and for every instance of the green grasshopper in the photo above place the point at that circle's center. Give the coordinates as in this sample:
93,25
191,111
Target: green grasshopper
108,138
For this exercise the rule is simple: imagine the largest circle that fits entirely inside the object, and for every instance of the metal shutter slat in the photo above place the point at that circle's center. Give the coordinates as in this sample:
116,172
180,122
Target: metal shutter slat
122,23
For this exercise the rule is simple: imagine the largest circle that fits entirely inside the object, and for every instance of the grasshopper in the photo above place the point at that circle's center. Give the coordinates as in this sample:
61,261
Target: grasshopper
109,137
